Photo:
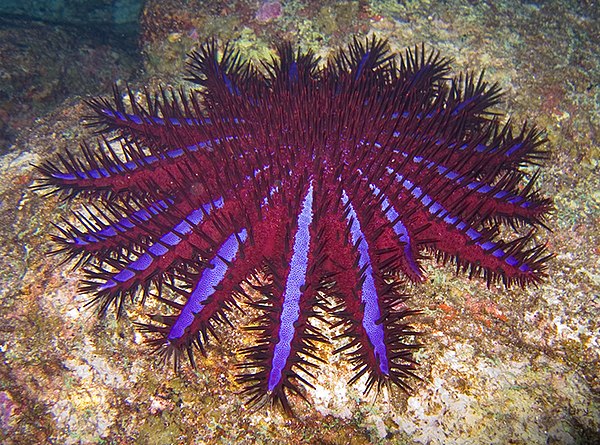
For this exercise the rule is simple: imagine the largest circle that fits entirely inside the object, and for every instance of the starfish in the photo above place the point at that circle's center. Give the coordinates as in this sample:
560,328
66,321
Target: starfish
309,191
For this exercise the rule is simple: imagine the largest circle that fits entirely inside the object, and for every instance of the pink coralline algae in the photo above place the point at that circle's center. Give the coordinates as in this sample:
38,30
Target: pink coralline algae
268,11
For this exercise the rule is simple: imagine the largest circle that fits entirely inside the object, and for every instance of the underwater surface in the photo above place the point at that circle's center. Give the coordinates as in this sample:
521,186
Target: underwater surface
517,365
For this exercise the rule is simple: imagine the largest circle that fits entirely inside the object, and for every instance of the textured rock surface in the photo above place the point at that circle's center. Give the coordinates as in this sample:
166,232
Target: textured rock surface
500,366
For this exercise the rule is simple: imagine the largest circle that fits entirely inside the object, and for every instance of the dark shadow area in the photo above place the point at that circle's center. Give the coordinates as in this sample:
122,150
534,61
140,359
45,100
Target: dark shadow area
43,63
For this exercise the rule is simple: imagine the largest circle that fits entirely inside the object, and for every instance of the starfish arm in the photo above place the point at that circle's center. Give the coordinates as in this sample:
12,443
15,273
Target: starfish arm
370,309
105,172
502,150
213,293
463,195
114,228
481,254
169,117
286,334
